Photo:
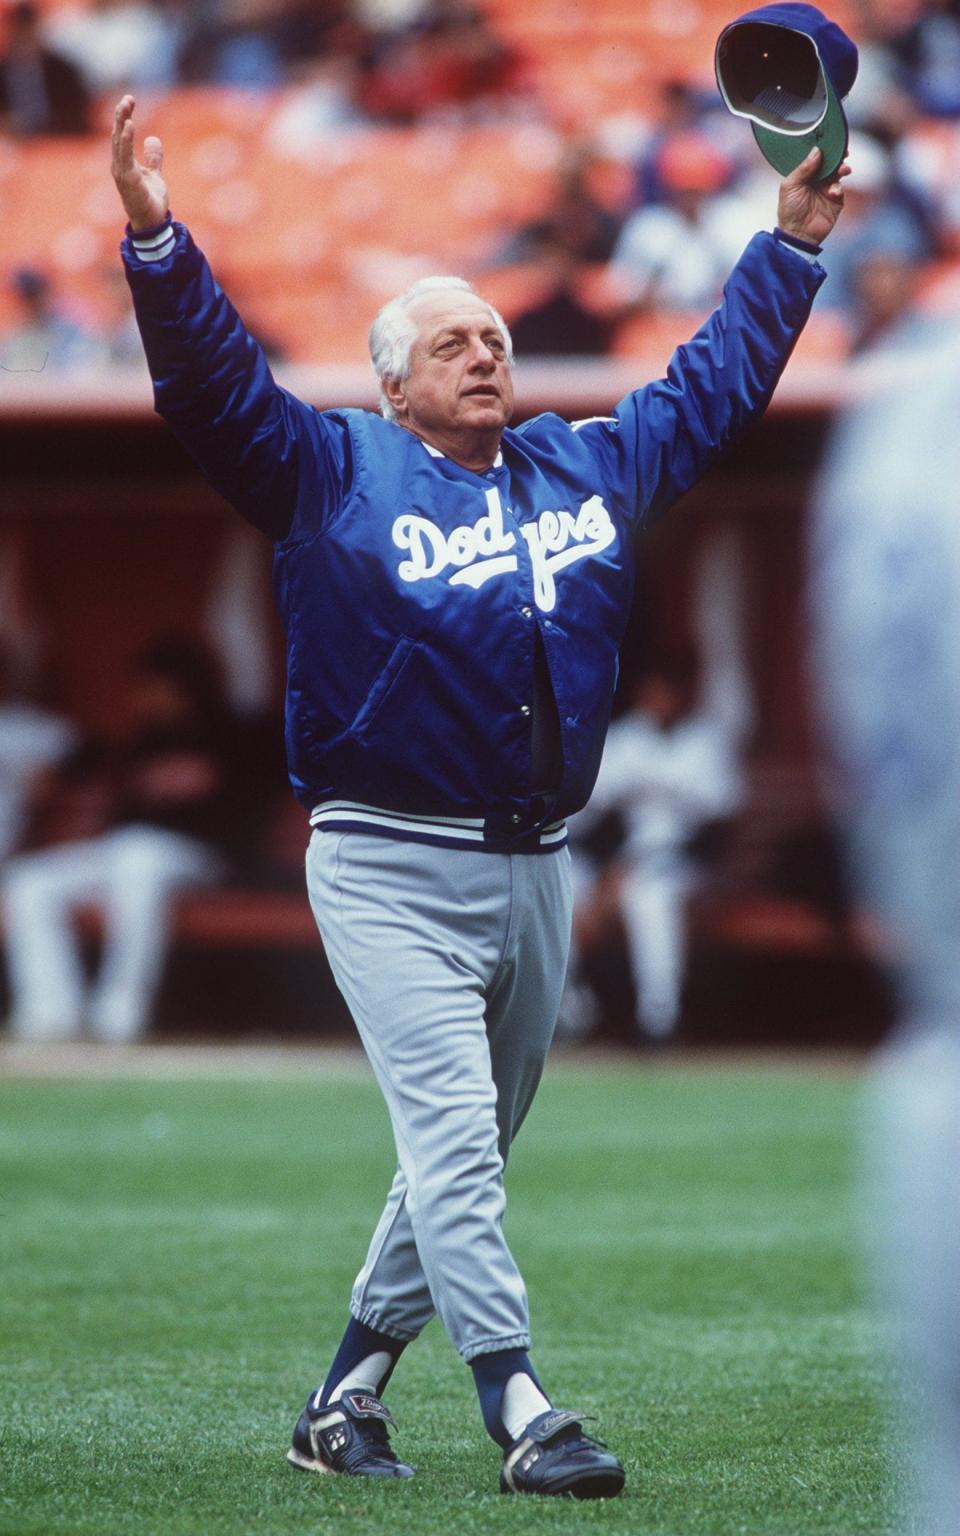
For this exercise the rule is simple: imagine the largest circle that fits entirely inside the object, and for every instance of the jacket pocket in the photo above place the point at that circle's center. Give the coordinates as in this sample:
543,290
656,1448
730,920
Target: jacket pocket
381,687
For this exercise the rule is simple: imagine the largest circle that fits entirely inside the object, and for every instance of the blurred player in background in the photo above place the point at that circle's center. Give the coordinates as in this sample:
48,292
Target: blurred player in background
168,814
455,593
886,602
671,768
32,741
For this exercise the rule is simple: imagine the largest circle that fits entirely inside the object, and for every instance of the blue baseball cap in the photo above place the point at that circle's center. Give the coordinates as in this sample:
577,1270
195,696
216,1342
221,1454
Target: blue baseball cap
787,69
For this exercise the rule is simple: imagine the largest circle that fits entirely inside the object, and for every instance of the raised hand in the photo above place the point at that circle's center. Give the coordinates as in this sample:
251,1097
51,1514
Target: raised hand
809,208
141,187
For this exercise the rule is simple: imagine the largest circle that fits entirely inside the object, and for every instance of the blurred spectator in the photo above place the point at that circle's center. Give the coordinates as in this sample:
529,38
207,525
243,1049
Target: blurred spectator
929,55
388,15
265,43
683,108
323,100
32,741
677,254
446,61
41,91
178,794
575,221
885,288
232,42
930,157
119,45
879,219
46,337
880,102
559,323
119,335
309,30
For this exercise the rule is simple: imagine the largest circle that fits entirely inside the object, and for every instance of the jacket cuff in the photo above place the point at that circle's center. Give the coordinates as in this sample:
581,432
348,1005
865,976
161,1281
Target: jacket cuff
153,244
804,248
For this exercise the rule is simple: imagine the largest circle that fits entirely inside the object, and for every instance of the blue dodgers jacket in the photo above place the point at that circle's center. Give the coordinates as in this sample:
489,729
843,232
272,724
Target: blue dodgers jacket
419,598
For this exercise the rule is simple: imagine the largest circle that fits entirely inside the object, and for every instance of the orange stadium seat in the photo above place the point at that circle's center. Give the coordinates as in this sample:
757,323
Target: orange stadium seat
824,341
57,205
593,58
511,290
654,337
323,323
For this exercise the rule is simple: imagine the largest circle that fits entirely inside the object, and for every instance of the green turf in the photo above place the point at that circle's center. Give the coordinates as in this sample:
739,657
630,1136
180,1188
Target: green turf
176,1258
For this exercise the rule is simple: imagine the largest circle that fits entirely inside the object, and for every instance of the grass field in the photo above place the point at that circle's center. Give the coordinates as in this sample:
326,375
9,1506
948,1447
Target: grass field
177,1256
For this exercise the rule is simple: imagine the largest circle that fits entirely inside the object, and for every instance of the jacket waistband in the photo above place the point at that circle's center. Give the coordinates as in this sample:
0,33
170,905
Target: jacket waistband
441,831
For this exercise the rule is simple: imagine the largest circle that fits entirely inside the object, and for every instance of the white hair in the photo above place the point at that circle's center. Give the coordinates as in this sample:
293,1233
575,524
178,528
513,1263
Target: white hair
393,333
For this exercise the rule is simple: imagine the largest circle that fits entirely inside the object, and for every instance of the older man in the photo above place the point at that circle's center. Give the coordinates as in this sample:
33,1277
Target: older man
455,592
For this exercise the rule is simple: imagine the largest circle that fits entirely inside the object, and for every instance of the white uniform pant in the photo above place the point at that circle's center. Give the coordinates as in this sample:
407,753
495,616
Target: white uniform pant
653,907
452,963
132,875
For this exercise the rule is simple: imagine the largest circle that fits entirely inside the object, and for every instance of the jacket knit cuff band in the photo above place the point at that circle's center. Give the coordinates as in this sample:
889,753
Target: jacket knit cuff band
803,247
153,244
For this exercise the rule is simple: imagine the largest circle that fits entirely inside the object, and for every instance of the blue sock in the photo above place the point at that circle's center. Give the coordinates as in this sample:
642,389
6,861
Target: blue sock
491,1374
357,1343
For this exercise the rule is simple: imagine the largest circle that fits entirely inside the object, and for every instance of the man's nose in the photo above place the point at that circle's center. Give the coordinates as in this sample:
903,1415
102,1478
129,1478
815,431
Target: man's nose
481,355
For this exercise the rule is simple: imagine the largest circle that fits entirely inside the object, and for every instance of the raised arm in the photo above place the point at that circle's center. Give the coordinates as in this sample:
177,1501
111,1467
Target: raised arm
211,381
663,438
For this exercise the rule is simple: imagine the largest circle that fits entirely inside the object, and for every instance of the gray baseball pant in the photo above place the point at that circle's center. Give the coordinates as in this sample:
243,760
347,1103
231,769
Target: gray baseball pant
452,963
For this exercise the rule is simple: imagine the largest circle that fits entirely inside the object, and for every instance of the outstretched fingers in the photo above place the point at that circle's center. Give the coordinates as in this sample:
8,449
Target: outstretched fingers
122,138
123,115
153,153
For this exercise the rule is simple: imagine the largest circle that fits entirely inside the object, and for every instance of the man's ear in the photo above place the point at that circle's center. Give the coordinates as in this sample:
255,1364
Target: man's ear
396,393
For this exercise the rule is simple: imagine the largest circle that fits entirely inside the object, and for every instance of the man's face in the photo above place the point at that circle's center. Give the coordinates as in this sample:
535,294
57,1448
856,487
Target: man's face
460,383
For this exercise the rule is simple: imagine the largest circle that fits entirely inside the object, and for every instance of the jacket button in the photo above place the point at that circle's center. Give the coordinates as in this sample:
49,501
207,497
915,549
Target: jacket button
524,709
527,613
515,818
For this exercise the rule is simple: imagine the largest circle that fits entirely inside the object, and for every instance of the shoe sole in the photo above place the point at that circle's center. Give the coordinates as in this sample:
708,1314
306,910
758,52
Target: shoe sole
603,1484
306,1463
309,1464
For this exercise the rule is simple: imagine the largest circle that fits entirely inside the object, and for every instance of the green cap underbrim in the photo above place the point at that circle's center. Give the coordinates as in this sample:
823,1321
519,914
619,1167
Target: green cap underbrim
785,151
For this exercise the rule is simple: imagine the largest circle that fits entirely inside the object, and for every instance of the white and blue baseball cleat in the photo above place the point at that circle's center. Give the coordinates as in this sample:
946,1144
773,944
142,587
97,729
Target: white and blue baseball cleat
348,1436
554,1456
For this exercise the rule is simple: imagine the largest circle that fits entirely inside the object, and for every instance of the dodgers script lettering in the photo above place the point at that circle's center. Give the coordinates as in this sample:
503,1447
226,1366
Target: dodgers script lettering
473,553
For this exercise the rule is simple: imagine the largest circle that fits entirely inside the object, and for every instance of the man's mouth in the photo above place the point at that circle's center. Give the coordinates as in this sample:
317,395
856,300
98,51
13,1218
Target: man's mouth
489,390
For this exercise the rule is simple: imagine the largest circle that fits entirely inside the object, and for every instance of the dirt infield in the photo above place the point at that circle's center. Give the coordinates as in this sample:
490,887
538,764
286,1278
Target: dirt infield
271,1059
87,1059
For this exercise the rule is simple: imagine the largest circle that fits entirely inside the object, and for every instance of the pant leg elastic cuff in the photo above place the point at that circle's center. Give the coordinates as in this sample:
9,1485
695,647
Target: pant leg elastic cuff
372,1320
491,1346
